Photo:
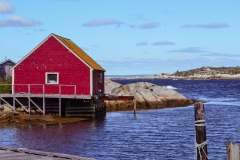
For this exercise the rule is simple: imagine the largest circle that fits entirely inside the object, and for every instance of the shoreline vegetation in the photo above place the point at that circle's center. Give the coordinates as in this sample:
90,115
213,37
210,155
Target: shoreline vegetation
203,73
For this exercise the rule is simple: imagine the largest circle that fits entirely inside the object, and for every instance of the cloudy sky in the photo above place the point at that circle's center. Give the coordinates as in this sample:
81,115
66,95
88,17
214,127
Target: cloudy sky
128,37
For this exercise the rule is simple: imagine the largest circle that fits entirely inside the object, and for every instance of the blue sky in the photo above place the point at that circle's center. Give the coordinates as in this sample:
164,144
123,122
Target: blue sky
128,37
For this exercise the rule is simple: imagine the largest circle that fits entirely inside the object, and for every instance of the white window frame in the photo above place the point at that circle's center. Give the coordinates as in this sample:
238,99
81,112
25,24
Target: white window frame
46,77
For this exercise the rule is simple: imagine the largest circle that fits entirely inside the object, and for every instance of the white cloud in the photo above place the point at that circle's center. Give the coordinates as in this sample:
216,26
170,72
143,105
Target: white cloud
188,50
6,7
18,21
149,25
210,25
163,43
102,22
142,43
221,55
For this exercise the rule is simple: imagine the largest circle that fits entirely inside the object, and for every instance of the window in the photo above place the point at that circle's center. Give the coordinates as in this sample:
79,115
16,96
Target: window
52,78
100,78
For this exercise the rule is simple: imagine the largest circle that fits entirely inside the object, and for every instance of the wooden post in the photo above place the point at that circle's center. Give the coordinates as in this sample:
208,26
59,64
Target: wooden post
14,104
200,127
60,106
29,102
232,151
44,109
135,105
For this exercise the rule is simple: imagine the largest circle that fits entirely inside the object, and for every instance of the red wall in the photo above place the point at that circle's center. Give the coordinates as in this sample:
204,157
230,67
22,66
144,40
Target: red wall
52,56
98,81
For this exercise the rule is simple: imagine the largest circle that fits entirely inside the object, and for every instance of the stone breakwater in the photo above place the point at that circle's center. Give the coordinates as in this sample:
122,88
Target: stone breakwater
148,96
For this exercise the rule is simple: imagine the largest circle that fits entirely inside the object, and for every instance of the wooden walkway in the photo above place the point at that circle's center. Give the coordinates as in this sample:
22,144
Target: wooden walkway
7,153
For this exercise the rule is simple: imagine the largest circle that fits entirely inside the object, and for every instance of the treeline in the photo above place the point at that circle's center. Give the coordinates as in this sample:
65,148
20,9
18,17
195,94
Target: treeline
206,70
5,88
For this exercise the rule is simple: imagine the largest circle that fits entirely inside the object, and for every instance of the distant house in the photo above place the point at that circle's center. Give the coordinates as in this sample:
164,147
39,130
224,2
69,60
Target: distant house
5,68
59,64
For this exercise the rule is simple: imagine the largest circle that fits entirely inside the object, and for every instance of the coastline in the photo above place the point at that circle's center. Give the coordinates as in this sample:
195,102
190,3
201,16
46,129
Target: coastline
195,77
26,119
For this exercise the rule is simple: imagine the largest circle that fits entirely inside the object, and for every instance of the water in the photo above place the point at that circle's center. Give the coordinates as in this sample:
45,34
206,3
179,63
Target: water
152,134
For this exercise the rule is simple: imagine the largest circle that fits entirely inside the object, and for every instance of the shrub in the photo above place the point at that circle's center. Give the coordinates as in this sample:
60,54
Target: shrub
5,88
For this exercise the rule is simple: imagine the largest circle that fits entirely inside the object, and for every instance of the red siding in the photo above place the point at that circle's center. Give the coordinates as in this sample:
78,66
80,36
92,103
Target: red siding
52,56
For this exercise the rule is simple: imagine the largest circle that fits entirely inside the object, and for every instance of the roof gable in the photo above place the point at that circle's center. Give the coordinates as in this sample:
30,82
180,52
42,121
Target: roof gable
8,60
73,48
79,52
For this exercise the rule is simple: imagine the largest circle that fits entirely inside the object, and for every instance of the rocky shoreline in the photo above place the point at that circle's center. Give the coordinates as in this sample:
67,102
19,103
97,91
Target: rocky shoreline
148,96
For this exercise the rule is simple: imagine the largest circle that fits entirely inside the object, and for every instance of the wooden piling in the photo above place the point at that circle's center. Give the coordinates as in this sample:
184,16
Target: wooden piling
200,128
232,151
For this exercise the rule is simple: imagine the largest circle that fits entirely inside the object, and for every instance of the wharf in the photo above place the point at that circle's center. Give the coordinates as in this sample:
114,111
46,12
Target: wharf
7,153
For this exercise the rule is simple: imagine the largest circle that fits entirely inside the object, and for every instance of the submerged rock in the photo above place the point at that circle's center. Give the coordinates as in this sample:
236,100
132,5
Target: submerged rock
148,95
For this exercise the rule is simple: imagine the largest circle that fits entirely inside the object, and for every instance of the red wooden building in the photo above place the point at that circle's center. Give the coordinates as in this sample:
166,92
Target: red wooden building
58,71
55,62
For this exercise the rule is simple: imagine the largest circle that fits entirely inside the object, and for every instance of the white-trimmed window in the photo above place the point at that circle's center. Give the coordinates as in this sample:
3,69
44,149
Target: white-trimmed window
52,78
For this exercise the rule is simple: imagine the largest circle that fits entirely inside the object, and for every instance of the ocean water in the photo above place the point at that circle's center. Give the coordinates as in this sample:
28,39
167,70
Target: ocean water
152,134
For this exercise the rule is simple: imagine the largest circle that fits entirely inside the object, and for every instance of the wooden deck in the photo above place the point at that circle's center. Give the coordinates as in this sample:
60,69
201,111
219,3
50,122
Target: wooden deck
7,153
18,95
15,98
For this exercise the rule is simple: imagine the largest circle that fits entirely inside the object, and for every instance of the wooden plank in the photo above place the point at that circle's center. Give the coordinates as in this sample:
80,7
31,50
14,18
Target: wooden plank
44,105
26,154
47,96
232,151
122,98
12,155
200,144
52,154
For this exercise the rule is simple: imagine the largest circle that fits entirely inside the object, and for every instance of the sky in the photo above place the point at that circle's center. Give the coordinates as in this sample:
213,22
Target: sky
128,37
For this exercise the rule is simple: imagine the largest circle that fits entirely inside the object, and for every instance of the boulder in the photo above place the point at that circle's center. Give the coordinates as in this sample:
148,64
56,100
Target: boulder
7,109
148,95
25,107
15,112
18,109
5,116
32,112
110,85
38,111
1,107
